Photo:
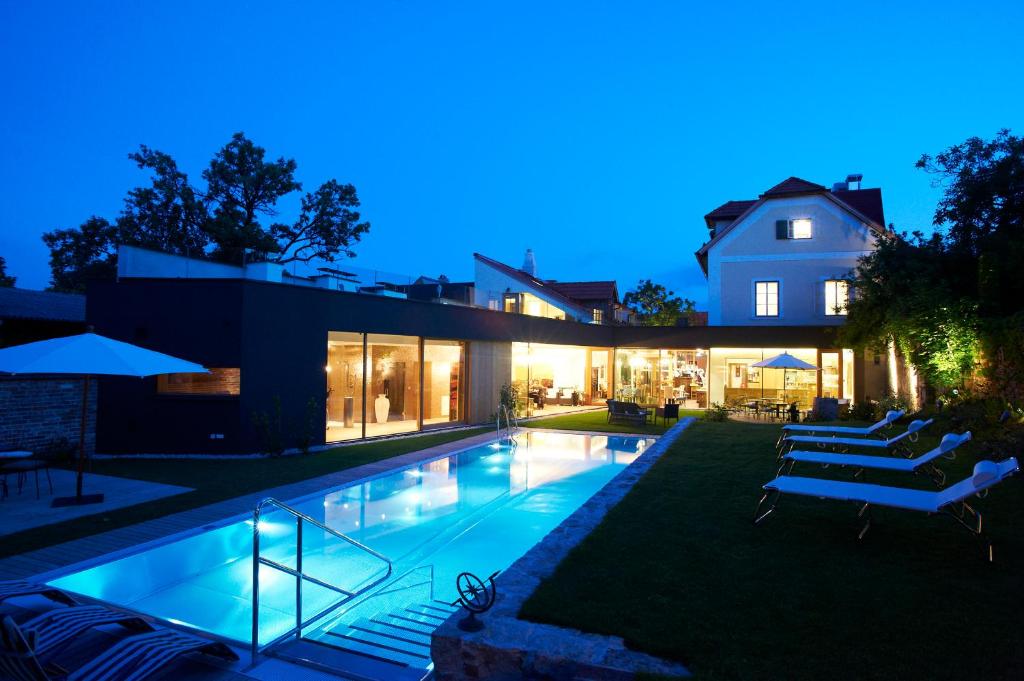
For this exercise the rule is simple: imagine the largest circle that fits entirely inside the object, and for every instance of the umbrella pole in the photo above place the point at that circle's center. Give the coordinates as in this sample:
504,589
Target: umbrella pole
81,439
80,499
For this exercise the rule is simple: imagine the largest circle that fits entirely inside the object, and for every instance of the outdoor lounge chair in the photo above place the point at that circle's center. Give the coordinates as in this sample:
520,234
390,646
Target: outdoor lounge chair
898,444
53,628
130,659
16,588
891,417
626,411
925,461
951,501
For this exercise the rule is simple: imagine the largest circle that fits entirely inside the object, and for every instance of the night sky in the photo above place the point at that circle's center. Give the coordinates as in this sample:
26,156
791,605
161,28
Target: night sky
596,133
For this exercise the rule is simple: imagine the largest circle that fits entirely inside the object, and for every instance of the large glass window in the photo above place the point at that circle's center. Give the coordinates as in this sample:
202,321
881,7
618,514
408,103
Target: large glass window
344,386
653,377
837,295
766,298
736,382
637,371
224,382
393,384
553,379
443,369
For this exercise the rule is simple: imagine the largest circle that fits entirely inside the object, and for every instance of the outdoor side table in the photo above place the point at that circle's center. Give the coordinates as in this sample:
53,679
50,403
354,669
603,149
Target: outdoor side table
6,457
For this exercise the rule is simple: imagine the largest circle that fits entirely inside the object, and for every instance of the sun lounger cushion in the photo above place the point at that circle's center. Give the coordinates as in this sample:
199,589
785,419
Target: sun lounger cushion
860,442
896,497
881,495
949,442
890,417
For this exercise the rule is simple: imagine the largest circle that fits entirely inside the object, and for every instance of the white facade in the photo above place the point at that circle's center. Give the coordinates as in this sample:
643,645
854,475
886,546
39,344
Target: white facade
749,251
490,284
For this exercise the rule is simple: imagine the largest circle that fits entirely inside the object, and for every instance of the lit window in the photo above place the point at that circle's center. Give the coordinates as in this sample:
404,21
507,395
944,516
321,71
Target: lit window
837,295
598,316
217,382
766,298
800,229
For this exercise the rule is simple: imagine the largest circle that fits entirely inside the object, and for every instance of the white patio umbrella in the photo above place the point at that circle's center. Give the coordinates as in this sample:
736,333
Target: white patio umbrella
785,361
89,355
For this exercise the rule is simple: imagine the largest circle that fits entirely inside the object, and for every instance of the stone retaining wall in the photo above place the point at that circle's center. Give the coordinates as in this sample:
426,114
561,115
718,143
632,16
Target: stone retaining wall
510,648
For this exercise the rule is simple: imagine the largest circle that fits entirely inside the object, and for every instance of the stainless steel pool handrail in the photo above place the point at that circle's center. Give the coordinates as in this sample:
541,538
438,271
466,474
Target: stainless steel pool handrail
299,575
511,425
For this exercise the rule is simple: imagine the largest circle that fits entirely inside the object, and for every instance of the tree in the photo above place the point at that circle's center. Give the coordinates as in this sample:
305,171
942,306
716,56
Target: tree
242,187
82,254
956,297
224,221
166,216
655,305
6,280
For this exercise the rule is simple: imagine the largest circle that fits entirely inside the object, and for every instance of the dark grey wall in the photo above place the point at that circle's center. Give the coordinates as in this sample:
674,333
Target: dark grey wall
277,336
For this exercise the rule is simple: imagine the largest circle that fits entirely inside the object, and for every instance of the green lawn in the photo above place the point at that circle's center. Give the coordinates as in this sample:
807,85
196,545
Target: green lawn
598,421
679,570
212,481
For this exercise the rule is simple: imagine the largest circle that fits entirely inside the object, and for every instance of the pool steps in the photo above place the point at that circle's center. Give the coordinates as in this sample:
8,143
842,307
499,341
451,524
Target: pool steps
389,645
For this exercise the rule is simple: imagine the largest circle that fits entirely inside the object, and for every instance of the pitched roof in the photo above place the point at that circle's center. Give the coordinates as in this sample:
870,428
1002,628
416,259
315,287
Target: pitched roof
794,185
536,284
864,204
730,210
866,201
20,303
587,290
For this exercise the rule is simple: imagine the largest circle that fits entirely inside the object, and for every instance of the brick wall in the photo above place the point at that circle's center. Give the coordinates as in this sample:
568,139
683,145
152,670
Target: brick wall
35,412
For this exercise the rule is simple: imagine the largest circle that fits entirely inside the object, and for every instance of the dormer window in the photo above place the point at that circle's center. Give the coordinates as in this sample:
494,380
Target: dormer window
800,228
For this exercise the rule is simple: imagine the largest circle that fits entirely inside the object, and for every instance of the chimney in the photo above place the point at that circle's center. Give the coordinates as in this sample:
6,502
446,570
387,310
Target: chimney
529,263
853,180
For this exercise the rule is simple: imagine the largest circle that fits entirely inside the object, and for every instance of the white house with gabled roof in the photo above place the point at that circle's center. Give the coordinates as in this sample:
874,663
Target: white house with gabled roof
784,259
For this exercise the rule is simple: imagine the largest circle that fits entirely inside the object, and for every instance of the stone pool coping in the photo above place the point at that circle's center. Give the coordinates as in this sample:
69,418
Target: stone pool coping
511,648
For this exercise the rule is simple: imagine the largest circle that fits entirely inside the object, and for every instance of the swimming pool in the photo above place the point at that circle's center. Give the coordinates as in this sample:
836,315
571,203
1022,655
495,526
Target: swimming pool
477,510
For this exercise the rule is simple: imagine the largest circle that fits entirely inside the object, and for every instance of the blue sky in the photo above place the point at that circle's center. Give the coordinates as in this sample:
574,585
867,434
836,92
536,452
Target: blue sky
596,133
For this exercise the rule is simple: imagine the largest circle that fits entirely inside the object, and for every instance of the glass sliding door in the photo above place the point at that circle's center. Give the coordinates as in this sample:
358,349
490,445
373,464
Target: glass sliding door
638,375
443,371
393,384
344,371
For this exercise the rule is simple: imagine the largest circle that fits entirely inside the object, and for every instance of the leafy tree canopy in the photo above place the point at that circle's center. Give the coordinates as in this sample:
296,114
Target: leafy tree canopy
655,305
233,218
5,279
949,299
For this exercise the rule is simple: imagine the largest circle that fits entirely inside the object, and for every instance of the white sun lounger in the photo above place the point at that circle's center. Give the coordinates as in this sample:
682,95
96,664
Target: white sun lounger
949,442
844,443
822,429
951,501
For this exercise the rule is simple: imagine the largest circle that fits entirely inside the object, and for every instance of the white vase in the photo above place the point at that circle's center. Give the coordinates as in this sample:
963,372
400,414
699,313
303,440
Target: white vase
381,407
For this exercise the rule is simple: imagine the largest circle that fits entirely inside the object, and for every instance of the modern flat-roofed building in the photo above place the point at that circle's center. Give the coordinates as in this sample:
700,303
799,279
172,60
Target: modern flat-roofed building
322,360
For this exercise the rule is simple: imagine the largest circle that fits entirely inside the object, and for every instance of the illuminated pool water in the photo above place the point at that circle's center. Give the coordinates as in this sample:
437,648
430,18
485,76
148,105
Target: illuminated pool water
477,510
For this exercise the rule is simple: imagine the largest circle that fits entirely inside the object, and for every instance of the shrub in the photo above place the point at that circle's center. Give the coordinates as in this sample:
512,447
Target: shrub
308,427
865,410
269,431
717,412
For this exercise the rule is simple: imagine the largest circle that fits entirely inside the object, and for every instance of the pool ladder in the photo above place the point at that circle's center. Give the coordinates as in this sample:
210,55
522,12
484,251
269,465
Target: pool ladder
302,519
511,428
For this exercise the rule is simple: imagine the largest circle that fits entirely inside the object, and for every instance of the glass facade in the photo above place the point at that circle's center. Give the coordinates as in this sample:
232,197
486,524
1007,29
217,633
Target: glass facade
389,384
444,365
652,377
553,379
380,384
345,369
735,382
